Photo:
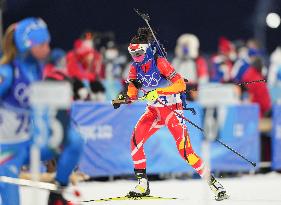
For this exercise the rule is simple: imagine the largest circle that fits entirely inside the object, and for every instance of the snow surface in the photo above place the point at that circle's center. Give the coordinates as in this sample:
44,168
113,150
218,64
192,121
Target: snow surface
261,189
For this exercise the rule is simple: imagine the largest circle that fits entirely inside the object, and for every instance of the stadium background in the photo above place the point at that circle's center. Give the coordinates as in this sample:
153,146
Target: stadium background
208,20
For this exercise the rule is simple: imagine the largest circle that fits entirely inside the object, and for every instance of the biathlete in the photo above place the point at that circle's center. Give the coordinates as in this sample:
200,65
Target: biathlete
25,46
152,73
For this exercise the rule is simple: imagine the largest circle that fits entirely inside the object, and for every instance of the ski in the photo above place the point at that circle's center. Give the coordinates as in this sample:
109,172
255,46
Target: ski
125,198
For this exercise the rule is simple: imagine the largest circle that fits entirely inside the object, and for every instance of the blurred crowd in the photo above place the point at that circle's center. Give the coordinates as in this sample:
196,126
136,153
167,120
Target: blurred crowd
98,67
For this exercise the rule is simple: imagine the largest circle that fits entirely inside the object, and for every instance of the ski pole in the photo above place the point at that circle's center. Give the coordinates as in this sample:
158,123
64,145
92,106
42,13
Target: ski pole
146,18
239,84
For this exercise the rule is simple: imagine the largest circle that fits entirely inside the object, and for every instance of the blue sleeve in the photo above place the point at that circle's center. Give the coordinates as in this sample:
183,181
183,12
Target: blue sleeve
6,78
243,68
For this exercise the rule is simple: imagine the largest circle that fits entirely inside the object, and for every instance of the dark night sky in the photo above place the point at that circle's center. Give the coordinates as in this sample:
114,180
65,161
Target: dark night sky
207,19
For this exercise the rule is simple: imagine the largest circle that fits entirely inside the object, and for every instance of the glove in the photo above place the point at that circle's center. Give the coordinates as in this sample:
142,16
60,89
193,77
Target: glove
150,96
121,96
116,105
192,110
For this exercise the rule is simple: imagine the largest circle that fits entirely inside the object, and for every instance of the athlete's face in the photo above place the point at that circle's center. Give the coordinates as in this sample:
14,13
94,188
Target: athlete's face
41,51
137,51
139,58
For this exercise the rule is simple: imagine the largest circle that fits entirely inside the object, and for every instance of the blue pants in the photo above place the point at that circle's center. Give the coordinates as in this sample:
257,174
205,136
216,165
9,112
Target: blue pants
68,159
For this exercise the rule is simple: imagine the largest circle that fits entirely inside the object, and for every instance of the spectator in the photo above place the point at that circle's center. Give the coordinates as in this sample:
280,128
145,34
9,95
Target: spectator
84,65
56,65
258,92
114,64
255,51
254,45
247,55
188,62
274,75
223,61
55,69
241,64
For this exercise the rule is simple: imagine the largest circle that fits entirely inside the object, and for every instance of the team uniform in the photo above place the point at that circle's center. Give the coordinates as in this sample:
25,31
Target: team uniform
15,114
160,74
157,76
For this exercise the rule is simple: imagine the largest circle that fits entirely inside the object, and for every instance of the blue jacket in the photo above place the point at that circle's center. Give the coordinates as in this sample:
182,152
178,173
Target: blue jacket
15,79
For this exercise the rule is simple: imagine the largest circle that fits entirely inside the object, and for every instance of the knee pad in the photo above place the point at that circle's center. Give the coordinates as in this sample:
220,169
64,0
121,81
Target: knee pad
192,159
184,143
185,149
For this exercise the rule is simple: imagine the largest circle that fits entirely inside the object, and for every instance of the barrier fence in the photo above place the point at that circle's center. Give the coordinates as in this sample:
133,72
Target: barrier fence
108,132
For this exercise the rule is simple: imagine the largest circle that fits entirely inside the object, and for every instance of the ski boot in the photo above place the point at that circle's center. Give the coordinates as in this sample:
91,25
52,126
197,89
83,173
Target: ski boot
218,189
57,199
142,188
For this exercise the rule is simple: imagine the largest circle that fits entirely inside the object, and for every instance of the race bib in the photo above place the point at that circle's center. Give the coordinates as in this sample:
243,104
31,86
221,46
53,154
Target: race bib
14,126
167,100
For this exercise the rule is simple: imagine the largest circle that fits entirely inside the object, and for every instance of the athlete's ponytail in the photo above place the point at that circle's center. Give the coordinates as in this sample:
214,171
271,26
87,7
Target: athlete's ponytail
143,36
145,33
8,46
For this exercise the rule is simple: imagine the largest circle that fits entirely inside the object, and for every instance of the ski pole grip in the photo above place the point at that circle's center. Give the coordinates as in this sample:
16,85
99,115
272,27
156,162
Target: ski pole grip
117,101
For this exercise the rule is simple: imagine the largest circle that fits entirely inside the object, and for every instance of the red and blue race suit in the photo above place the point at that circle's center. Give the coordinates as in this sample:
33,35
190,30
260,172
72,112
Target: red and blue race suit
160,75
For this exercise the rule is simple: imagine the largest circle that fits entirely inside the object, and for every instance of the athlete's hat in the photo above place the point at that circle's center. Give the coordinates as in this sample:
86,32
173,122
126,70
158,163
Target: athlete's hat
30,32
